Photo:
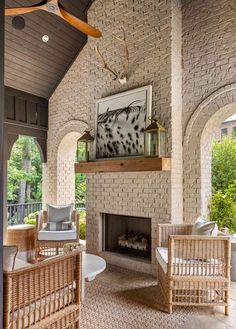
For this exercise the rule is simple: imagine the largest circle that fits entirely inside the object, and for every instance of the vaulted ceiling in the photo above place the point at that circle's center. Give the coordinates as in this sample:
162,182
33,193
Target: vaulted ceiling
32,65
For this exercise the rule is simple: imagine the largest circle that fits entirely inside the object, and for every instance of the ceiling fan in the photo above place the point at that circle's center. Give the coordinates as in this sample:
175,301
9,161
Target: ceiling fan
54,7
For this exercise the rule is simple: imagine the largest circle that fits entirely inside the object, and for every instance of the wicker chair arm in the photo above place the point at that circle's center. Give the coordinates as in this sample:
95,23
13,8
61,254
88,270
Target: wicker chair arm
165,230
41,218
199,255
75,220
33,284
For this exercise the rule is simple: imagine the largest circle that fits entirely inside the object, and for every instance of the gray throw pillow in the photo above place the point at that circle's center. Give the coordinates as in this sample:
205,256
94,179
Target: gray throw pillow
58,226
9,256
59,213
204,227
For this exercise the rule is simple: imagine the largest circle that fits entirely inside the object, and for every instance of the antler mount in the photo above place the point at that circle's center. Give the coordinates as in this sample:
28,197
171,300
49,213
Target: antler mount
121,77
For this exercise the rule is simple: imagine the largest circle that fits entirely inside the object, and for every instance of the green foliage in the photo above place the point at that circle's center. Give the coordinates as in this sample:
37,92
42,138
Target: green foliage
82,225
223,163
80,188
223,208
31,219
223,200
80,153
16,173
80,179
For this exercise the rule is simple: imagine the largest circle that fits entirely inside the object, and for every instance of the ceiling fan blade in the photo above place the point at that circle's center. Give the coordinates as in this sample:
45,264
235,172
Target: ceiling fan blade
19,11
79,24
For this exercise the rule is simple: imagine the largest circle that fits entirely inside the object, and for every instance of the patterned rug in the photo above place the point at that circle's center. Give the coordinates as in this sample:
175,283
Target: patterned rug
122,299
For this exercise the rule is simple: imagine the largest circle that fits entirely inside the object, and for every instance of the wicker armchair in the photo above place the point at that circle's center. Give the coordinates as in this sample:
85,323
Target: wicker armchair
192,270
51,245
45,295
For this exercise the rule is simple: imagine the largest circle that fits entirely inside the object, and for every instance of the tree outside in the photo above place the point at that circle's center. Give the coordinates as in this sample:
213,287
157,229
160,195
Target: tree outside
223,163
25,180
223,200
80,192
24,172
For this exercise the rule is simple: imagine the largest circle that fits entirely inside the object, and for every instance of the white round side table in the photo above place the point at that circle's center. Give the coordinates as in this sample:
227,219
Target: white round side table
92,265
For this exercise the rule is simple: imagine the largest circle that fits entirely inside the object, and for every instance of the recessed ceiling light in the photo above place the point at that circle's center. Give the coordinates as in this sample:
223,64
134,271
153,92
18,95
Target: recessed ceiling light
18,22
45,38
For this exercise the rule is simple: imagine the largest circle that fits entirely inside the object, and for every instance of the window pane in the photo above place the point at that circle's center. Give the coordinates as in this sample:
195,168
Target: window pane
224,132
234,132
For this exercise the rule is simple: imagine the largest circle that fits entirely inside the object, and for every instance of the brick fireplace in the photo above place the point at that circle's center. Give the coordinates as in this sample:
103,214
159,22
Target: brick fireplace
127,236
143,196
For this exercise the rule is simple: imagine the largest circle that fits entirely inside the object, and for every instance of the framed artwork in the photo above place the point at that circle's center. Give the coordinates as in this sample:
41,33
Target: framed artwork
120,123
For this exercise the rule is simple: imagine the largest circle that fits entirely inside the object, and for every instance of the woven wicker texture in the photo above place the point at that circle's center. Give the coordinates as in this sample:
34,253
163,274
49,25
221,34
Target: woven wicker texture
46,248
45,295
22,236
189,256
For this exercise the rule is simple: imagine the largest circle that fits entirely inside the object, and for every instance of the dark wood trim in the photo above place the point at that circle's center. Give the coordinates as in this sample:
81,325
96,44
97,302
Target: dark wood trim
124,165
25,114
88,6
2,189
10,140
12,132
30,97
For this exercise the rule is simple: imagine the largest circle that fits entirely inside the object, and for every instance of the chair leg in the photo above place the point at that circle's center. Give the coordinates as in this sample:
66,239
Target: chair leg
170,298
227,302
226,310
170,309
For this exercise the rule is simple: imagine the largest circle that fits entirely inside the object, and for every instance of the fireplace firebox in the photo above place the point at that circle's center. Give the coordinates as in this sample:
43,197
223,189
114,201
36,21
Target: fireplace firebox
127,235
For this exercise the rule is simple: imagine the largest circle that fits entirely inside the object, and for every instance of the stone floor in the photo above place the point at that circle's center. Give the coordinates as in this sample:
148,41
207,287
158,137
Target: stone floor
208,318
124,299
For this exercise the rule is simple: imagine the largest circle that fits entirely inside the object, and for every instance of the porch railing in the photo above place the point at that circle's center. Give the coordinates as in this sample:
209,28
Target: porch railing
16,212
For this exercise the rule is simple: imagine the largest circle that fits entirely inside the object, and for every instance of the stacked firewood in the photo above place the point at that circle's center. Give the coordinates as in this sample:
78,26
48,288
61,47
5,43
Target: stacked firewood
133,240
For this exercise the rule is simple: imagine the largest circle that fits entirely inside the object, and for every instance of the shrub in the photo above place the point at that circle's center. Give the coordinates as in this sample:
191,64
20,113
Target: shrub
223,163
82,225
31,218
223,208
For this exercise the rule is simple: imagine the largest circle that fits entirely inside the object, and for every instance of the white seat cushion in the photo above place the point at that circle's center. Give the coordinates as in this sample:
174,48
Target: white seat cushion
162,257
57,235
41,309
193,267
19,263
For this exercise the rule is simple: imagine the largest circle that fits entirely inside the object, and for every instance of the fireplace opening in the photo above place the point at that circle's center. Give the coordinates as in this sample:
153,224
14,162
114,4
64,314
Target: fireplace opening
127,235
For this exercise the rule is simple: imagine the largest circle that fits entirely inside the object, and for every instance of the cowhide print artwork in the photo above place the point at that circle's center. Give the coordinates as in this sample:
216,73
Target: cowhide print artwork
121,121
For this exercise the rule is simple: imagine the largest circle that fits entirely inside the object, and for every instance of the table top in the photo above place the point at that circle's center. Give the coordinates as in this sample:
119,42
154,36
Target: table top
92,265
21,227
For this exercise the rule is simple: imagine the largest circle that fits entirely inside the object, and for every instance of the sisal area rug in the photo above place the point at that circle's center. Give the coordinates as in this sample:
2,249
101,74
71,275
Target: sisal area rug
122,299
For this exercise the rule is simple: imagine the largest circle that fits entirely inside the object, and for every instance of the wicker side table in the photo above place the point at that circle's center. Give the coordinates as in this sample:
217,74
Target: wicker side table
23,236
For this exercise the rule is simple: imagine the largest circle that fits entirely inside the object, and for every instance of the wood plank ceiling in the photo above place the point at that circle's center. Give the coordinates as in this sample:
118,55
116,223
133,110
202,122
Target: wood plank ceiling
32,65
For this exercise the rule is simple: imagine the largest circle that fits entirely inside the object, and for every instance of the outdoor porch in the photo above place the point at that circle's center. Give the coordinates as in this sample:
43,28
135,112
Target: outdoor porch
118,177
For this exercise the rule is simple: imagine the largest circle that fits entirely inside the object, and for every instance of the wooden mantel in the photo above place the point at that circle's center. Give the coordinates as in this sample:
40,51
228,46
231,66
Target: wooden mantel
124,165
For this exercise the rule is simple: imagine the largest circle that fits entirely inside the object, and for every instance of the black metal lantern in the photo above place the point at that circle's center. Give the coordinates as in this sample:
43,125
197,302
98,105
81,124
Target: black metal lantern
82,146
155,140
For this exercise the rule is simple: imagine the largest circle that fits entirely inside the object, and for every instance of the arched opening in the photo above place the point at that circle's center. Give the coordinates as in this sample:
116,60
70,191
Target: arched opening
209,134
24,181
218,169
198,136
71,187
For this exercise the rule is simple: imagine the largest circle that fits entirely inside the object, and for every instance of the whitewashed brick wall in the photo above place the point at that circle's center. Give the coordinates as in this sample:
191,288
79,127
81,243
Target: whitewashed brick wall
148,25
209,75
162,38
